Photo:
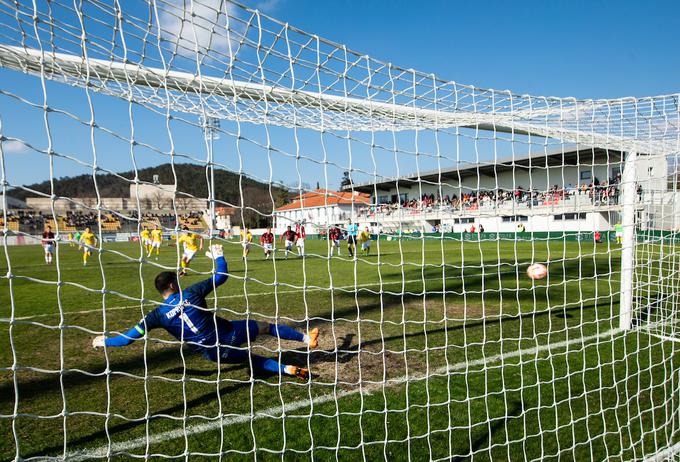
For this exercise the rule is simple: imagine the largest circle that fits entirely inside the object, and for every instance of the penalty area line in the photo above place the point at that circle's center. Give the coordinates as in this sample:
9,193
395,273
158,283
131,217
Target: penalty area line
123,447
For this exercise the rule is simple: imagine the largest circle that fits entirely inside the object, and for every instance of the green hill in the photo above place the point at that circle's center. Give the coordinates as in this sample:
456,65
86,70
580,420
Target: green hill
191,180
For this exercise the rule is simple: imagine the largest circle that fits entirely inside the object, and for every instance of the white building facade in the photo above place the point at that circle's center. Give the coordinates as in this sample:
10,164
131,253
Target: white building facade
565,190
319,209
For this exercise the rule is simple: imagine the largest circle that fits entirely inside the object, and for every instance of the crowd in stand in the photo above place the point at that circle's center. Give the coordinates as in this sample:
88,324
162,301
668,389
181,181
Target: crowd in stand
80,220
605,193
191,219
28,219
34,221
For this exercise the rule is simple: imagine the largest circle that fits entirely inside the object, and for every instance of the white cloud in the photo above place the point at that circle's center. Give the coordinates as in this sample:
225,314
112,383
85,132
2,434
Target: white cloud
14,147
267,6
197,24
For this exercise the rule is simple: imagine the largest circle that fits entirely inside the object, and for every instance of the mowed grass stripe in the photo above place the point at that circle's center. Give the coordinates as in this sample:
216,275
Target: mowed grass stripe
278,411
367,331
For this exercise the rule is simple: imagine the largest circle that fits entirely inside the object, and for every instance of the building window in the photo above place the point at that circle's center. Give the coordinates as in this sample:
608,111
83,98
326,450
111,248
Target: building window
461,221
569,216
585,175
515,218
401,198
673,172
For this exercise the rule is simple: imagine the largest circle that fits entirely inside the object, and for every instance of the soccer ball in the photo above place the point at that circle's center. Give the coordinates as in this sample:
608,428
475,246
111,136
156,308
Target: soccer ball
537,271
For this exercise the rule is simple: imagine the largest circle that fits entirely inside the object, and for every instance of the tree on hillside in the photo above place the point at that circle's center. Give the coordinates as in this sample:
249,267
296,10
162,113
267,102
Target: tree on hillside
346,180
282,198
190,180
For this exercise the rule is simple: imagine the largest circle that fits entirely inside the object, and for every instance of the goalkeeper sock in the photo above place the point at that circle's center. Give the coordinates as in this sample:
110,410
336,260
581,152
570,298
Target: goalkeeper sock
285,332
268,364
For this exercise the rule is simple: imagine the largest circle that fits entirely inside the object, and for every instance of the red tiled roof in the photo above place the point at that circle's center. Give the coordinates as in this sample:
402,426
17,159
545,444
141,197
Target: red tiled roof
323,197
224,211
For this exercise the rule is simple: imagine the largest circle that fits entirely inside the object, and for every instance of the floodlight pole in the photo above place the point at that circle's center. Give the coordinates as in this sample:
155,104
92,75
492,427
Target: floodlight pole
210,127
629,199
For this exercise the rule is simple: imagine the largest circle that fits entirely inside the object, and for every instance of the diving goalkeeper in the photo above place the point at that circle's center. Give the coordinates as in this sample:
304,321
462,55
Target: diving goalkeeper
185,316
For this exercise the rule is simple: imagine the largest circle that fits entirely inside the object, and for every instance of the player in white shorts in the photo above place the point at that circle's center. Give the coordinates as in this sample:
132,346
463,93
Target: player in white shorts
48,244
289,236
267,241
335,235
188,254
246,240
192,244
301,235
365,239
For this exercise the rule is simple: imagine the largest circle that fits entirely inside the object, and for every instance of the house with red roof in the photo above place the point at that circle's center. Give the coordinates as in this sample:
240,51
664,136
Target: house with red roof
320,209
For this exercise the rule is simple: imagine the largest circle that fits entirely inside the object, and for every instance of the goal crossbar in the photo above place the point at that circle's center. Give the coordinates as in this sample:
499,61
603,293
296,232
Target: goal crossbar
581,123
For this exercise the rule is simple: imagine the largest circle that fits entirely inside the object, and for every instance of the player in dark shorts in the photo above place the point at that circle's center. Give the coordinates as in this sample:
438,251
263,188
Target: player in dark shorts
289,236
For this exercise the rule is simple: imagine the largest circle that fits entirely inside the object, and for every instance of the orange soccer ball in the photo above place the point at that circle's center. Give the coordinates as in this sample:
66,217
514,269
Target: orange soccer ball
537,271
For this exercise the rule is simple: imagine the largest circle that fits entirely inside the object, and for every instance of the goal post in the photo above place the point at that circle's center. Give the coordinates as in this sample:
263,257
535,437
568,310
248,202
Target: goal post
413,268
628,213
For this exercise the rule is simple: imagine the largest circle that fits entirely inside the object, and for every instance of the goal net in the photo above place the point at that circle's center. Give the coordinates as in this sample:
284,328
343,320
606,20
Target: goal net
492,275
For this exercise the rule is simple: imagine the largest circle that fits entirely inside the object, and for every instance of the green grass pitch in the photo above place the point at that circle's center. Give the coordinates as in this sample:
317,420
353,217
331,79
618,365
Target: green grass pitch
431,349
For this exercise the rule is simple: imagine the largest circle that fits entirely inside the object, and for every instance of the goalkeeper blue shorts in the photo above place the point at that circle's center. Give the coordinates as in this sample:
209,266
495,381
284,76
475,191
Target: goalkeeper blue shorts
233,335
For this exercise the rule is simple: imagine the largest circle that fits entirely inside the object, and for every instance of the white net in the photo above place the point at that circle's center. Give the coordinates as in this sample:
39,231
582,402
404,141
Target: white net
417,209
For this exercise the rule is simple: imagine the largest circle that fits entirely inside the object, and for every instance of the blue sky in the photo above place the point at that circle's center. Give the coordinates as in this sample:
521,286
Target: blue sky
582,49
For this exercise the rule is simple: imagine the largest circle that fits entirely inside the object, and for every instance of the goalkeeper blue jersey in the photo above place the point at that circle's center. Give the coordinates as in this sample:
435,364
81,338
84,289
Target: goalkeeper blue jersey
181,314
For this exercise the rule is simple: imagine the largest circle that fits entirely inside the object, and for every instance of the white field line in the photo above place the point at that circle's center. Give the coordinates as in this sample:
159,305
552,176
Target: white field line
668,453
113,449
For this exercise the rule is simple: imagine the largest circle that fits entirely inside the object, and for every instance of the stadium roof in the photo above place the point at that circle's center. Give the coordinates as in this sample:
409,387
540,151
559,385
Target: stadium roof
326,197
562,156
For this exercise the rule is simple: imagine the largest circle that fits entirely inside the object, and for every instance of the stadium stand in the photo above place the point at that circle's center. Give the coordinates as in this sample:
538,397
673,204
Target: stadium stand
194,221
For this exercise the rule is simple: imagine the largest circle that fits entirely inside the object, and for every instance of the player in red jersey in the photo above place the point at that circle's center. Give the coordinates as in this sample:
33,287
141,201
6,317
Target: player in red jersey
267,242
48,244
301,235
335,235
289,236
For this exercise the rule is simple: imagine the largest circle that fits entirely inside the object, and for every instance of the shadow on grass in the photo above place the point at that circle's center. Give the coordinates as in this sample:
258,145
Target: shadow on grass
484,440
52,383
493,285
118,428
72,379
345,351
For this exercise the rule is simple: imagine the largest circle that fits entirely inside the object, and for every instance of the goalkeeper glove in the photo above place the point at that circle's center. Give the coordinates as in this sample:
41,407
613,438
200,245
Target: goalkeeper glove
215,251
98,342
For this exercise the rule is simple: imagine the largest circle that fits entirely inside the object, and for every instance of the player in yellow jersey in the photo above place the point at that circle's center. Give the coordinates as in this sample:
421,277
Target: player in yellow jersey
246,240
156,240
87,240
365,240
192,243
145,237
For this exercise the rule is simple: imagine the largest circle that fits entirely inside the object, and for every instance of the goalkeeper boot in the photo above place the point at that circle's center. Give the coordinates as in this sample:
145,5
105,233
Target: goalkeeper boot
313,338
299,372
